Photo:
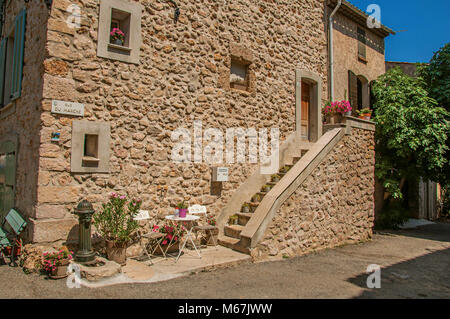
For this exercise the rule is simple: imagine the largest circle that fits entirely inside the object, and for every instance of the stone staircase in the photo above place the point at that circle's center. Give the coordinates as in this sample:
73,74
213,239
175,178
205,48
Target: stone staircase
231,236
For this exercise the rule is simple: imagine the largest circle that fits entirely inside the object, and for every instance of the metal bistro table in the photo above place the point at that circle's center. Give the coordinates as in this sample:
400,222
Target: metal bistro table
190,219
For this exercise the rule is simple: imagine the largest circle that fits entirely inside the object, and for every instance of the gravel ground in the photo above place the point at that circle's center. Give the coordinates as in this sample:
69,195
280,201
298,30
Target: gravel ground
415,264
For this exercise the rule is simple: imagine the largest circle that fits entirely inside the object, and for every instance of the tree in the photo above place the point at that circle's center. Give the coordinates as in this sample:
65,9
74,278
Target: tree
436,76
411,132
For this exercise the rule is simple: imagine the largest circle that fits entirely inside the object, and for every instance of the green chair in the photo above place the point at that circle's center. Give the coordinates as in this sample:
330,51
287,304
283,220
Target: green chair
10,229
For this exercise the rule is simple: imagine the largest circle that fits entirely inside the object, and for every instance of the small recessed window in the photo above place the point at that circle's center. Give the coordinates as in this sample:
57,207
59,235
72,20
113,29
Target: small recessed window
90,154
239,77
120,28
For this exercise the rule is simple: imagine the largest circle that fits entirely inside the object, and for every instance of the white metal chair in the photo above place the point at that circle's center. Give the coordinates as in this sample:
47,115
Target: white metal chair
206,228
151,236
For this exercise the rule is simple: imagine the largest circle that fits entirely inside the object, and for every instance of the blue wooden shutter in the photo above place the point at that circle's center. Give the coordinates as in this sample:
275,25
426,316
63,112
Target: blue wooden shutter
2,68
19,42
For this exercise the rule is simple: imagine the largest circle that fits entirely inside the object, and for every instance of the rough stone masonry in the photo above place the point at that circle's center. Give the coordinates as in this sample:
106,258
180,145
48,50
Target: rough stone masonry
180,78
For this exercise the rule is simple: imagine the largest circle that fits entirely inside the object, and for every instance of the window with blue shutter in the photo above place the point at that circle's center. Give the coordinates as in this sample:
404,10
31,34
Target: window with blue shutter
19,42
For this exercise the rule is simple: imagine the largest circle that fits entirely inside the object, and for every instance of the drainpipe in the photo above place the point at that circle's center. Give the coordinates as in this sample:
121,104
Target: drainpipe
330,45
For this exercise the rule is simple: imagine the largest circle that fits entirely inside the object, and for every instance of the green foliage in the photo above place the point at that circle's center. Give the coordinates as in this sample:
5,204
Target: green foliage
436,80
115,222
392,216
445,201
436,75
411,131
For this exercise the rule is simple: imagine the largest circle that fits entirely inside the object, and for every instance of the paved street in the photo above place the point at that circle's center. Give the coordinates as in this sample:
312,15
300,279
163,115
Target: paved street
415,264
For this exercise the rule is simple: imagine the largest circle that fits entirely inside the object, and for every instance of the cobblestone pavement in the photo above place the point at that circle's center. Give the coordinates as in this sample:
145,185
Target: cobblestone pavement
414,263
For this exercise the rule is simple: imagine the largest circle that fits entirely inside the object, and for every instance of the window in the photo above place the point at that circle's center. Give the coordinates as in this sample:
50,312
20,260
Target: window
11,61
239,75
362,44
121,20
359,91
90,154
125,16
90,147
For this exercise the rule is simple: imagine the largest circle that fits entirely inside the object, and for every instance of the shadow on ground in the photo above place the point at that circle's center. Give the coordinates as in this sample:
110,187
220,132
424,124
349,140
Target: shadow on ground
426,276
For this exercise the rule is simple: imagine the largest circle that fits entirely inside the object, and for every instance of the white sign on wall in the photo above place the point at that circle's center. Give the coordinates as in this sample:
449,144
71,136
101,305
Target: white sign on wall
220,174
68,108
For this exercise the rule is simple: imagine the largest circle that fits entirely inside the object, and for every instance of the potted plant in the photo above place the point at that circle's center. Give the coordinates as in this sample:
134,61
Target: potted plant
117,36
285,169
55,264
275,178
182,209
116,225
365,114
246,208
266,188
256,198
233,220
334,111
173,234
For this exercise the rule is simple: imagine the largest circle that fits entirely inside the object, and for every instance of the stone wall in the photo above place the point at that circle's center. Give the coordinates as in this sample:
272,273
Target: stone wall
333,206
345,46
22,117
180,79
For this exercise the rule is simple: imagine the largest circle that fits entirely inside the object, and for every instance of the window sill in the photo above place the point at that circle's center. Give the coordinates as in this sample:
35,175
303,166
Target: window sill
90,159
118,47
362,59
7,110
239,86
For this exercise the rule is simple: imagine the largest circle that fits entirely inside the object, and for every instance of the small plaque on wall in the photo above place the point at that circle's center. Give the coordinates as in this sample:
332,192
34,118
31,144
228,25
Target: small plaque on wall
220,174
67,108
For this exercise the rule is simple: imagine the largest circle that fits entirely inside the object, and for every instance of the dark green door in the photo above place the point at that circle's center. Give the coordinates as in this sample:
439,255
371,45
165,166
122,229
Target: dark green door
7,176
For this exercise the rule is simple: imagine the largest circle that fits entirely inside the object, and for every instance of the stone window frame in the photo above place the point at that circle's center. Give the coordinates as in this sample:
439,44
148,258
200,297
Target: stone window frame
82,128
244,56
130,53
315,117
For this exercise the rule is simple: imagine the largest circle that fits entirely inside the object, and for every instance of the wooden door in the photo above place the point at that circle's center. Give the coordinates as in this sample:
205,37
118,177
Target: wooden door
7,176
304,121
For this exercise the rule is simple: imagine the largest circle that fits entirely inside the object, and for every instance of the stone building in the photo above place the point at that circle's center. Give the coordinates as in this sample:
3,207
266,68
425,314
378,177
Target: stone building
358,54
88,116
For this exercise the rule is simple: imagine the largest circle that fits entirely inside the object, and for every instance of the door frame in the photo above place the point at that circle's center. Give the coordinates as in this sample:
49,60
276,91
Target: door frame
12,138
315,109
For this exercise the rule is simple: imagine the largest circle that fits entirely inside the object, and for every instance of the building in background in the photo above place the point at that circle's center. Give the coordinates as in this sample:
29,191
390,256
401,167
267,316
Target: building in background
358,54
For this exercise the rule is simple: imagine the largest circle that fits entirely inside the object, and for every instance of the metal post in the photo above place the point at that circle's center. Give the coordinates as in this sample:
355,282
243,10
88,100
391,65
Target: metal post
85,254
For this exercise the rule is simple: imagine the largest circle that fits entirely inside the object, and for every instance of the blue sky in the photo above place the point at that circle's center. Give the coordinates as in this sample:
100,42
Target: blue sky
427,25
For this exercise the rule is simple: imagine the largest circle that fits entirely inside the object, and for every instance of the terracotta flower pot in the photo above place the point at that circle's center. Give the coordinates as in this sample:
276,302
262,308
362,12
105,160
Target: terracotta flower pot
60,270
117,254
334,119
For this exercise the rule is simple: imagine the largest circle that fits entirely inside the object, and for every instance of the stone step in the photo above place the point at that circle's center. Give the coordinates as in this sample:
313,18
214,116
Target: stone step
244,218
233,231
232,243
228,242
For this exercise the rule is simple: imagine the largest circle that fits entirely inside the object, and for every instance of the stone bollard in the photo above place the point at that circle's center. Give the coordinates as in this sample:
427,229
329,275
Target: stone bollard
85,254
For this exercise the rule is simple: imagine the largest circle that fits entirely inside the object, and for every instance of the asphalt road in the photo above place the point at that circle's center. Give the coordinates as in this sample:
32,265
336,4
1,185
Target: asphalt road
415,264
